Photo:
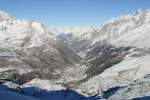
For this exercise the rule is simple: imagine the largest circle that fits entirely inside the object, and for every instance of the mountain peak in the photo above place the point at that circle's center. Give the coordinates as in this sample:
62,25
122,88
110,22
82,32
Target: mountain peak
4,15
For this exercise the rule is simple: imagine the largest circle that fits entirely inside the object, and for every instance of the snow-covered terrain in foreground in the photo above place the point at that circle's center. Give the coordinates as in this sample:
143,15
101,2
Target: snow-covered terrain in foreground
6,94
14,92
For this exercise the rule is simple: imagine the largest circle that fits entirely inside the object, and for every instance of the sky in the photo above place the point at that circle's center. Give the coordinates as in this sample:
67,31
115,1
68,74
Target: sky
71,12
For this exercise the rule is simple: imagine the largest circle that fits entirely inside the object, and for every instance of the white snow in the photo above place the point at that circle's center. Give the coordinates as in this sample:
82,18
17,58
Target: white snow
133,68
44,84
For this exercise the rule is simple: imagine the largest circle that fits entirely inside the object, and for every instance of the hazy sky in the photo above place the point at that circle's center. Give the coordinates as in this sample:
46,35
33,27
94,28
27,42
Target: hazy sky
71,12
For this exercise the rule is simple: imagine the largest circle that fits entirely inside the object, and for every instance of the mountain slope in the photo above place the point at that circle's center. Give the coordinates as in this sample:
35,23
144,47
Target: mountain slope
115,53
30,50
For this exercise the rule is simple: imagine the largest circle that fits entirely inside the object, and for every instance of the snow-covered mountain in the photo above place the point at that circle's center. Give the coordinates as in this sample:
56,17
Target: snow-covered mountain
116,53
29,50
111,60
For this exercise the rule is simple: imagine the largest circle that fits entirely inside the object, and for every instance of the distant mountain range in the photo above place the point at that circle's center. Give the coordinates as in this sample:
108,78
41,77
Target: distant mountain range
110,60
